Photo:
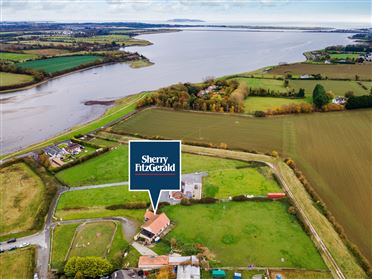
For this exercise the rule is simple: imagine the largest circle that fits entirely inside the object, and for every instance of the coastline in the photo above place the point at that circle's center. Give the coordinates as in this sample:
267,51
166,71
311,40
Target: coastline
69,73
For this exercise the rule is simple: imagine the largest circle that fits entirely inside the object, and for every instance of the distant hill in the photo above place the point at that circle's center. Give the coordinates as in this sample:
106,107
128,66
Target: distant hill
185,20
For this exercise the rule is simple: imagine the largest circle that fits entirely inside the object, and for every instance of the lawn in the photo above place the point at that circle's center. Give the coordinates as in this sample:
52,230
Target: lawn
331,71
93,239
16,57
59,64
252,104
259,233
62,238
297,274
21,195
312,140
7,79
18,264
233,182
230,274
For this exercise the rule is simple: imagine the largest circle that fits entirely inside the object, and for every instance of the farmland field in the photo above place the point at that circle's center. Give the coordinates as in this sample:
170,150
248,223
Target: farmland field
16,57
259,233
332,71
21,195
272,84
47,51
338,87
7,79
251,104
233,182
343,133
58,64
93,239
18,264
344,55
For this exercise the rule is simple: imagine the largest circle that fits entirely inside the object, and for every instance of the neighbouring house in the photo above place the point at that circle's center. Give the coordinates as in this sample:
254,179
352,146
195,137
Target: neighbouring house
54,151
306,76
152,262
187,266
183,260
276,196
191,188
188,272
339,100
73,148
154,227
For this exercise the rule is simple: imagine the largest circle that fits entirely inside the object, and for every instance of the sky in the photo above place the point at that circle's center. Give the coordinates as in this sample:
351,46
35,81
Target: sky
273,12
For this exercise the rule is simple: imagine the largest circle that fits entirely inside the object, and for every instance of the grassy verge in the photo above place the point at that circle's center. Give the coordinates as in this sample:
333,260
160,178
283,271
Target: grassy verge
62,239
98,212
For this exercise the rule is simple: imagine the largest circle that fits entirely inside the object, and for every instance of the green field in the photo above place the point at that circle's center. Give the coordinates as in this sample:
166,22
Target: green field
7,79
18,264
17,57
337,87
344,55
252,104
272,84
112,167
93,239
99,197
62,238
21,195
342,133
239,234
58,64
108,168
233,182
118,246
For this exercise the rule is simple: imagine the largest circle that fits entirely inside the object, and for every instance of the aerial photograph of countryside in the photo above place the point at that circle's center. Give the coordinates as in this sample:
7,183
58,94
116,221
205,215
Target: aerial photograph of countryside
268,101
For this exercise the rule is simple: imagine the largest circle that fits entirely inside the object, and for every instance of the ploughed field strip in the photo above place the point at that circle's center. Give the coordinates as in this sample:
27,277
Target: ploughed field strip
59,64
343,133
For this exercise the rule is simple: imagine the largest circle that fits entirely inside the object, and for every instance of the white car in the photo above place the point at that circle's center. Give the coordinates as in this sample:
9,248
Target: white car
24,244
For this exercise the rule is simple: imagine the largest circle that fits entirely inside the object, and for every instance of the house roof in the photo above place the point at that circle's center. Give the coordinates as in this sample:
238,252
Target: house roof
149,215
183,260
156,223
153,261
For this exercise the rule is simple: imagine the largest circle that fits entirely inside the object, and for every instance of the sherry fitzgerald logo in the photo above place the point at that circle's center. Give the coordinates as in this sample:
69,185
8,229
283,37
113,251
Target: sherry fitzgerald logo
154,166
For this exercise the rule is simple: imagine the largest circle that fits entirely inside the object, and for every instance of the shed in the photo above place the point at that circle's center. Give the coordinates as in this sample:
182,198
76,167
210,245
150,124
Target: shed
217,273
237,275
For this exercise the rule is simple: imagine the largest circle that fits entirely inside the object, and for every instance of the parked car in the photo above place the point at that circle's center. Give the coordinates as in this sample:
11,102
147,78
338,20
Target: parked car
1,251
12,248
24,244
36,276
12,240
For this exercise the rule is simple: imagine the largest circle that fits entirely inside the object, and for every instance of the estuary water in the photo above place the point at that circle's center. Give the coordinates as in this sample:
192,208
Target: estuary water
32,115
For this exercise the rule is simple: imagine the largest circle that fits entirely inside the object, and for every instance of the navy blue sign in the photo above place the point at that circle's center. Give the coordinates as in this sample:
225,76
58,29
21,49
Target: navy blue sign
154,166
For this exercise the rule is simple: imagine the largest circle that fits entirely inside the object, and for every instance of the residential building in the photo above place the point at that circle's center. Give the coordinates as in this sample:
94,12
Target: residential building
152,262
154,227
188,272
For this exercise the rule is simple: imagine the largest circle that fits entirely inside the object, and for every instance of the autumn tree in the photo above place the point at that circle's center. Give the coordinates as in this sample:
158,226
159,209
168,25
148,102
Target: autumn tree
88,266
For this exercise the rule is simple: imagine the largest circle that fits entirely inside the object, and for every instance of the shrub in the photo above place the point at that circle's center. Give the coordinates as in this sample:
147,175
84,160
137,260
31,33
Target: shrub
355,102
259,113
88,266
